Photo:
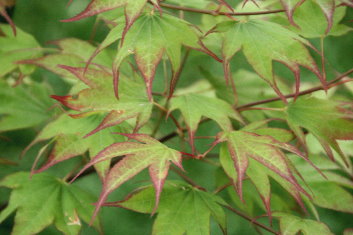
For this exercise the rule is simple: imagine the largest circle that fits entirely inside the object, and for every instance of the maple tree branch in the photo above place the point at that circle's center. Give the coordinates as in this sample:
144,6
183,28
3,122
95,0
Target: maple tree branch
216,13
305,92
186,178
250,219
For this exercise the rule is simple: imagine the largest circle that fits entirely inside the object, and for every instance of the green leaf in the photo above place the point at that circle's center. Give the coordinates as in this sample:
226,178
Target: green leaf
19,103
45,200
99,98
336,124
132,9
292,225
194,106
317,26
152,36
68,134
72,52
149,153
258,157
262,43
14,48
189,213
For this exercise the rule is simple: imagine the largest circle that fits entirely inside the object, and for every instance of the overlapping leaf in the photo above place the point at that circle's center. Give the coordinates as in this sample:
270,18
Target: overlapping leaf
132,9
99,98
149,153
68,134
292,225
263,42
327,7
182,210
14,48
336,124
72,52
45,200
149,38
317,26
259,157
194,106
17,103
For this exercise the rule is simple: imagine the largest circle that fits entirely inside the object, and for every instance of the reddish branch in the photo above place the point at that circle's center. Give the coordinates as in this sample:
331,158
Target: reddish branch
217,13
305,92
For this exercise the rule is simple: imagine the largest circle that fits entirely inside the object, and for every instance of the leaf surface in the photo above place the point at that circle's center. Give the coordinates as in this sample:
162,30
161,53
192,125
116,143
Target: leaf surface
194,106
152,36
292,225
68,135
263,42
45,200
147,153
14,48
17,103
99,98
189,212
335,125
259,157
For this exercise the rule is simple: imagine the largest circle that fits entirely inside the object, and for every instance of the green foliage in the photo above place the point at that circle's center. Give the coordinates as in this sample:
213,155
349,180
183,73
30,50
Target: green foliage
211,117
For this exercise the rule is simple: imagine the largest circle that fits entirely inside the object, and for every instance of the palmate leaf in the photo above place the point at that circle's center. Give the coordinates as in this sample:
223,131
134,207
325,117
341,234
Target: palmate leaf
335,125
72,52
259,156
45,200
334,186
327,6
149,153
292,225
194,106
14,48
149,38
68,134
18,103
271,43
99,98
182,210
132,9
317,26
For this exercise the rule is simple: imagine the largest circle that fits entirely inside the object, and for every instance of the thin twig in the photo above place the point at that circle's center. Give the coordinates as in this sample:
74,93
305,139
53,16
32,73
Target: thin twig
216,13
248,218
305,92
186,178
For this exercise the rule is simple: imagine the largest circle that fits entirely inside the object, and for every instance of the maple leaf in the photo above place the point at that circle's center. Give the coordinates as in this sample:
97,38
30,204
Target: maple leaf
132,9
68,134
292,225
16,103
99,98
271,43
318,27
334,186
148,39
195,106
14,48
72,52
188,214
327,7
45,200
335,125
259,156
149,153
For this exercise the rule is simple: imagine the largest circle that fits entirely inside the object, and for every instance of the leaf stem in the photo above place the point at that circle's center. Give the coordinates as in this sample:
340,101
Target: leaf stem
305,92
248,218
218,13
